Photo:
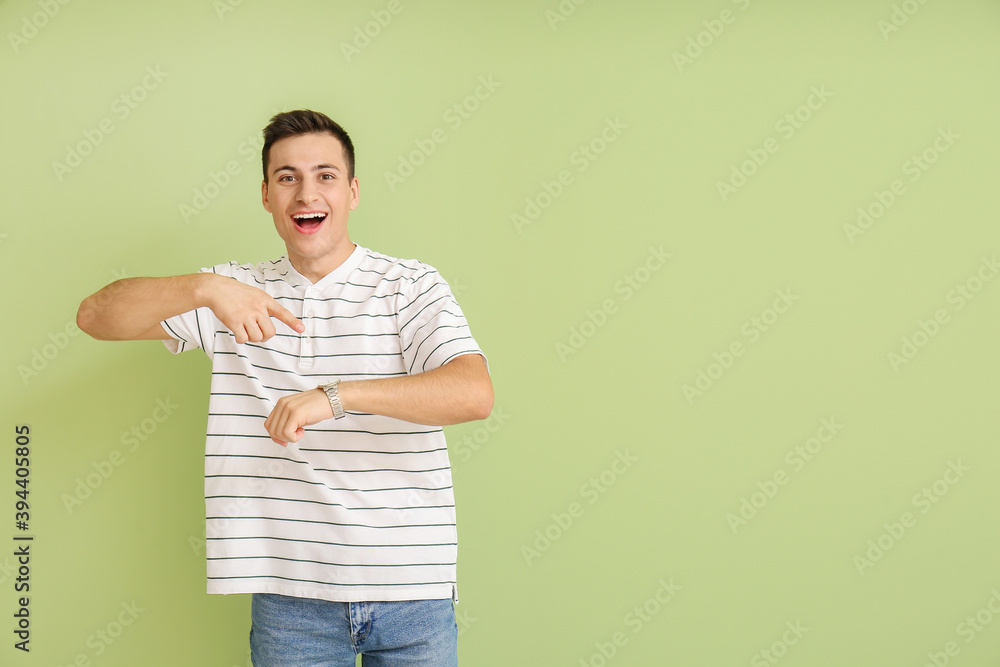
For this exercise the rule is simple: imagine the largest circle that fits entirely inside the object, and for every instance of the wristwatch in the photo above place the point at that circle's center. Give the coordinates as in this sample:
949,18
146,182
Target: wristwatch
334,396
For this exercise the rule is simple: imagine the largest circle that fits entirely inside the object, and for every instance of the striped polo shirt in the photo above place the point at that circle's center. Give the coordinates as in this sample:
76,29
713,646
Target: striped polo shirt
361,508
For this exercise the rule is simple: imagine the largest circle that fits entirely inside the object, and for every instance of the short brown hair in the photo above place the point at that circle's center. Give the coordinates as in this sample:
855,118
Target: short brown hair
304,121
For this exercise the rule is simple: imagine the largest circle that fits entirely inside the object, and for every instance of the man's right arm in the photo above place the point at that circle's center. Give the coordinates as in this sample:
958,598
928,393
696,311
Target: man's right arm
132,308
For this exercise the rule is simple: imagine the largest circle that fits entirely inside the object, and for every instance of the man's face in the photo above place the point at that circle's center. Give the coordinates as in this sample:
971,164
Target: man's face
309,195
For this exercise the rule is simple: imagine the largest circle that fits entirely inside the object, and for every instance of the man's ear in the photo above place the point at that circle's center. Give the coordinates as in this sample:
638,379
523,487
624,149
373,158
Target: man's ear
263,196
355,193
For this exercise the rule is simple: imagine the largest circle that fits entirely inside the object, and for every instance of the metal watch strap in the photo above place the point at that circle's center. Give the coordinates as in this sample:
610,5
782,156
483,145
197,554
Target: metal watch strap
334,396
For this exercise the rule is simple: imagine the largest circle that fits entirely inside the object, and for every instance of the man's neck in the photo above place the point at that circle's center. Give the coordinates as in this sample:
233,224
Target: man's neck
315,269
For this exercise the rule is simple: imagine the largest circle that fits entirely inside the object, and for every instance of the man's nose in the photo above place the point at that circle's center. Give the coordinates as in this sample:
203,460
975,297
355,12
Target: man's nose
307,192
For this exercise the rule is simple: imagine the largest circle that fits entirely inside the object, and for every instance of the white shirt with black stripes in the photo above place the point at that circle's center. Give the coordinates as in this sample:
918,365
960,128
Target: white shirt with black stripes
361,508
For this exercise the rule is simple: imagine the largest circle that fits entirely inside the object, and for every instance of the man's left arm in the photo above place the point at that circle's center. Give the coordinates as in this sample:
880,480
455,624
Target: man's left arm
455,392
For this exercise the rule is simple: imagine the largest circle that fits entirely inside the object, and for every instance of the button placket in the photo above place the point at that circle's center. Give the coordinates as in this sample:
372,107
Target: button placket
306,344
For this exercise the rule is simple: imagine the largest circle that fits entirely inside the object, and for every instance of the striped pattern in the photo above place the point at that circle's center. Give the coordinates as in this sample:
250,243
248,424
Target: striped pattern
361,508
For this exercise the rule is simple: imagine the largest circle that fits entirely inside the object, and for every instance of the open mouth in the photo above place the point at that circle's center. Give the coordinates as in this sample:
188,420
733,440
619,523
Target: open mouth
309,222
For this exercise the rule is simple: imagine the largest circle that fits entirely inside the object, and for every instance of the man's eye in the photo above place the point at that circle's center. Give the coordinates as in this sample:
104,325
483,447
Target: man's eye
326,177
287,178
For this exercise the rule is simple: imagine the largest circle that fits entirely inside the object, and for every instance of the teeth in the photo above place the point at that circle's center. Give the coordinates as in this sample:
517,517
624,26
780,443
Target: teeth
308,216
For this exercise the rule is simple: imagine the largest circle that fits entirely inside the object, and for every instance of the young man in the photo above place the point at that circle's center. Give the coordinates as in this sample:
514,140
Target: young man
327,481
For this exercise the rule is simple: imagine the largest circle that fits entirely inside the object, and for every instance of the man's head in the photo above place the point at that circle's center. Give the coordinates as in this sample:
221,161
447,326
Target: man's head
309,189
303,121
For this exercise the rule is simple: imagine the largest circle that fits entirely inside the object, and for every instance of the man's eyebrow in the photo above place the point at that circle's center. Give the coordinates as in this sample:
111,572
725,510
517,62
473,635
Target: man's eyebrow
319,167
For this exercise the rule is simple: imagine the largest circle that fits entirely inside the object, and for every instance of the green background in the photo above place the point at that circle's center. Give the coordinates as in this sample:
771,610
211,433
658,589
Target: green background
558,543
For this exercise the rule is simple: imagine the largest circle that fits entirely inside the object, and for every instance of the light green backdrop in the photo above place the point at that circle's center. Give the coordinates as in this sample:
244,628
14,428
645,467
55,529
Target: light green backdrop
734,423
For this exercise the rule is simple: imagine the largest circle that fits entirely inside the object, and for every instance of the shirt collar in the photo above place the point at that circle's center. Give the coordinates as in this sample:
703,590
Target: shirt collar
284,266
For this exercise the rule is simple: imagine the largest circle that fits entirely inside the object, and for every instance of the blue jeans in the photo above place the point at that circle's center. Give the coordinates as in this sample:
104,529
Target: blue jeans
303,632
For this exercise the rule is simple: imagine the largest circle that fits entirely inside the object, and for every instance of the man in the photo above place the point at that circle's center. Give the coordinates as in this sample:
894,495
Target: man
327,481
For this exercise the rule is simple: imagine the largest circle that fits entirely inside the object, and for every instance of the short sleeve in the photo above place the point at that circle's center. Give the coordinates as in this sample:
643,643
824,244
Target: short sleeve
432,327
193,329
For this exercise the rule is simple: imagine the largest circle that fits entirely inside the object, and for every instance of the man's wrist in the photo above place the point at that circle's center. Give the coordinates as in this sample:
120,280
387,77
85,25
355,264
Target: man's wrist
203,287
334,397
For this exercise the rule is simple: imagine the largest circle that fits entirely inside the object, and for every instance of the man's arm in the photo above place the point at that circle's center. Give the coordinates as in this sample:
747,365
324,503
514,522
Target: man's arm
459,391
132,308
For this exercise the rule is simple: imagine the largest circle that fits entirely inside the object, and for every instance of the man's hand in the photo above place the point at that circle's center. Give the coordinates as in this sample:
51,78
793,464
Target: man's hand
132,308
247,310
293,413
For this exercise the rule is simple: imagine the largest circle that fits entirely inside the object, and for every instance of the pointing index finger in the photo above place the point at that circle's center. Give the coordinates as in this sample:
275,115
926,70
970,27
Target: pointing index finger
281,313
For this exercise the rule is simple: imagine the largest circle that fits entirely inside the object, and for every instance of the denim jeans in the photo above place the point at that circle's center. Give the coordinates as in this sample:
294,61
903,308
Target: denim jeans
303,632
